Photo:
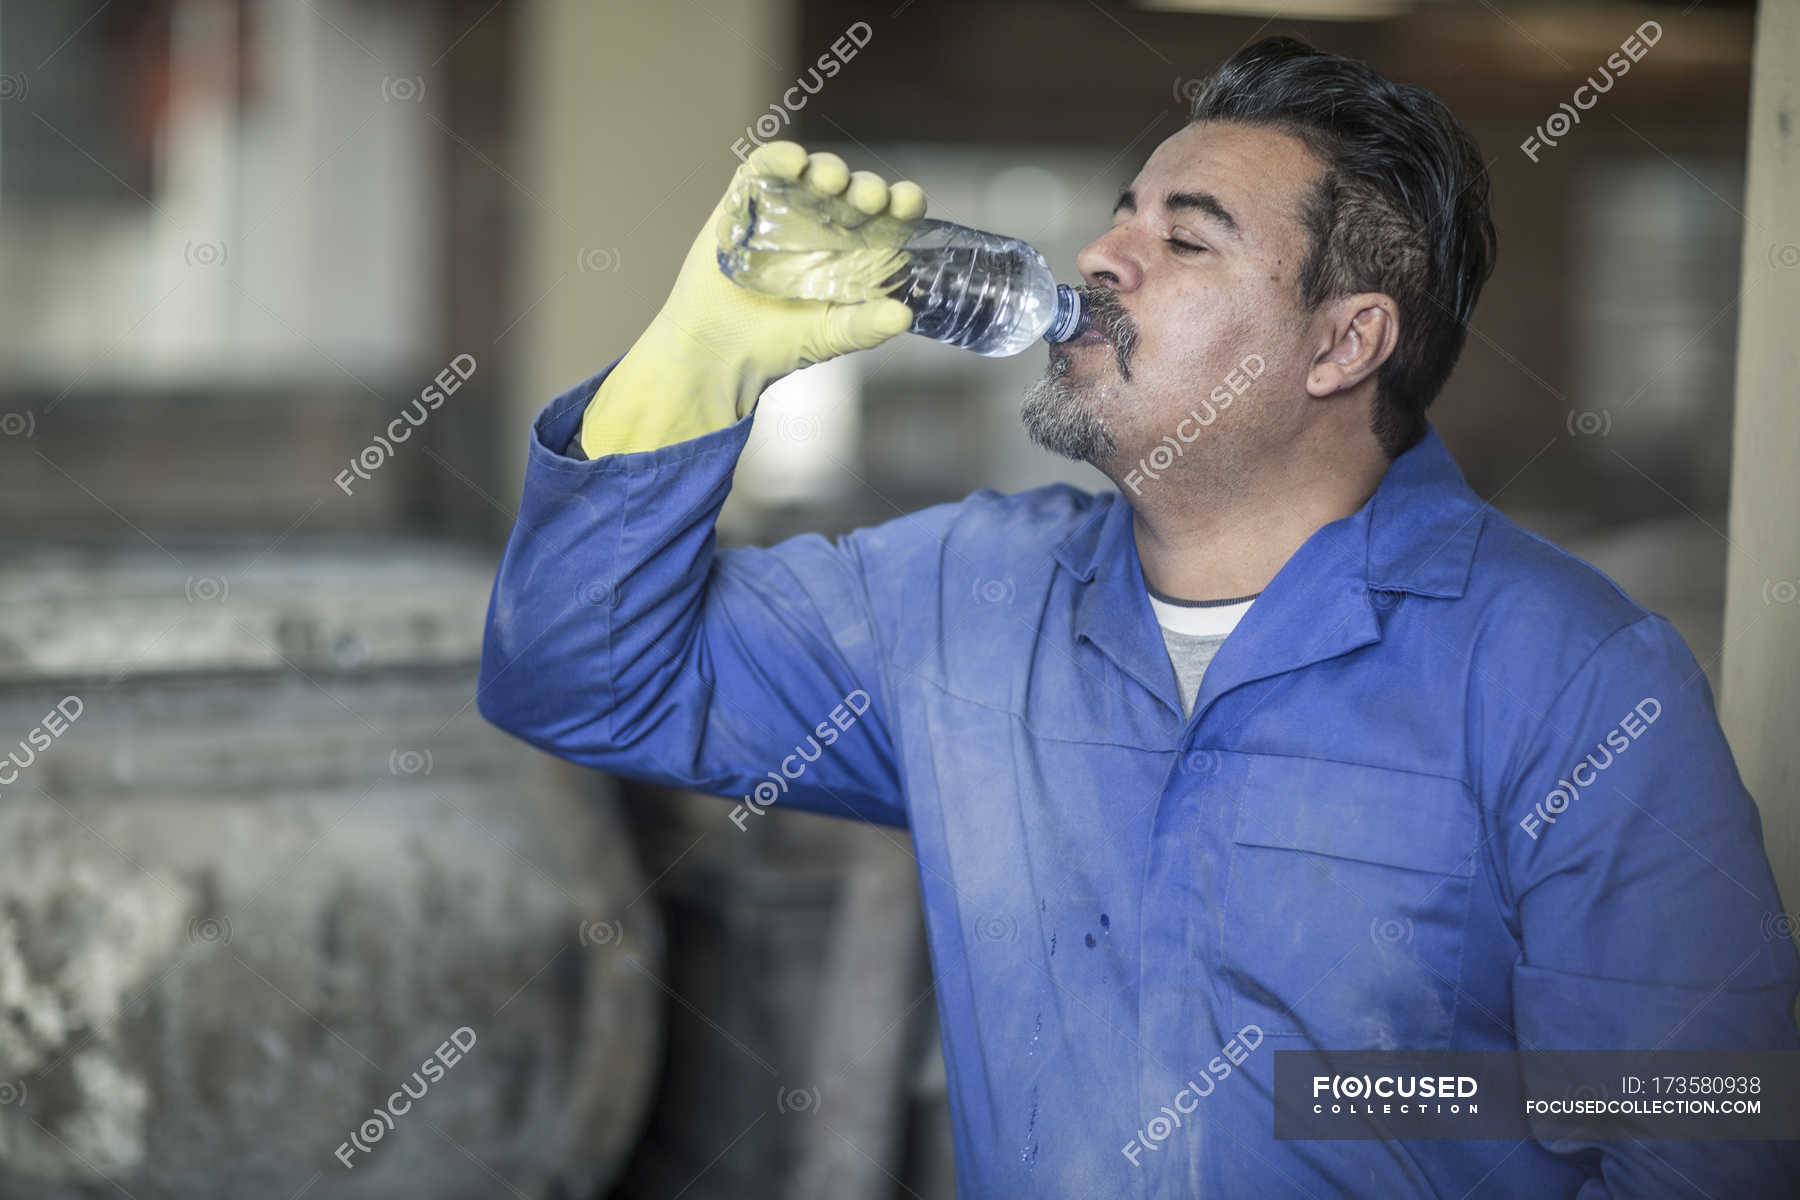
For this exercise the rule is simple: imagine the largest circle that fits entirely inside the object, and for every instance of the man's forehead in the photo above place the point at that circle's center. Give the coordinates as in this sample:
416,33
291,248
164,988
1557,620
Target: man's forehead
1258,172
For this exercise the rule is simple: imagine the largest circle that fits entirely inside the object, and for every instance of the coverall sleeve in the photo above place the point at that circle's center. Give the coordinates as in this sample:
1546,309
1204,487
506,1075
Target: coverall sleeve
619,637
1645,903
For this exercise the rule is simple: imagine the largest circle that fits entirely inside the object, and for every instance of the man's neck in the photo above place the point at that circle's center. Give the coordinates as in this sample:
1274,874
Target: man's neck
1213,550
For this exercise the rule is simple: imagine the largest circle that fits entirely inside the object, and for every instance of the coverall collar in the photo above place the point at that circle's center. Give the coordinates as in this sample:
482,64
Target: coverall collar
1416,535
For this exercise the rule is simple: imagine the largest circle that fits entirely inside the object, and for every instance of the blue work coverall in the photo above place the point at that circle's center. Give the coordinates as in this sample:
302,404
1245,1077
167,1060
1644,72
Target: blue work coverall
1444,787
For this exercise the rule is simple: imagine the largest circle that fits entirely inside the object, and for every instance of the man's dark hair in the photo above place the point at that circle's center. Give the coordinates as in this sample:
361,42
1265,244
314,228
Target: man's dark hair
1401,208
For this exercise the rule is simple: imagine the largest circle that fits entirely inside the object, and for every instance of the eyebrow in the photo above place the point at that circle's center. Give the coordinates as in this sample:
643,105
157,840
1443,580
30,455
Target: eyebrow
1204,202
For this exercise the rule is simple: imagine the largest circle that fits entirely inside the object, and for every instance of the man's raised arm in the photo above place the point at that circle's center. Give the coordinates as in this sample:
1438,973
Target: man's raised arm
618,636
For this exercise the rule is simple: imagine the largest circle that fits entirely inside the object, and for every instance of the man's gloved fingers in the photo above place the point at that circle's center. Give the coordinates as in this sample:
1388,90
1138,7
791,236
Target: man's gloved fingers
906,200
863,326
867,193
826,173
785,160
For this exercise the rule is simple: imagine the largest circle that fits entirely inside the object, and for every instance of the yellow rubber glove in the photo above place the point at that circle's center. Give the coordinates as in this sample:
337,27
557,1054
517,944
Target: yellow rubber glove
715,345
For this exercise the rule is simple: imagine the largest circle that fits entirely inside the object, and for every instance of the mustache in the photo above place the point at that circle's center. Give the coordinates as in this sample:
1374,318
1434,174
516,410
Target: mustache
1107,315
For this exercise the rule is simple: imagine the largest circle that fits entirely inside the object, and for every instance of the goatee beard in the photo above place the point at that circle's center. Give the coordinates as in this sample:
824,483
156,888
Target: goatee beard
1057,417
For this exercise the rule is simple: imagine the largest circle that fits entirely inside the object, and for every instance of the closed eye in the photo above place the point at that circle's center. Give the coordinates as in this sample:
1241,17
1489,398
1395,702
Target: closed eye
1182,247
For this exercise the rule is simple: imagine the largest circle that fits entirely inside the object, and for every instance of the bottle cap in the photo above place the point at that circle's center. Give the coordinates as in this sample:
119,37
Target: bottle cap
1071,319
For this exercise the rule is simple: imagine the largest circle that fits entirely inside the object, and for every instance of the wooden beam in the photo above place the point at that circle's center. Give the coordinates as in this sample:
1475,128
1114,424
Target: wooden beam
1761,682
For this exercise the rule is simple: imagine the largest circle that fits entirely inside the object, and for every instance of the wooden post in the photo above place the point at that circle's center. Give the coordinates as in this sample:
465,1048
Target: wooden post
627,117
1760,686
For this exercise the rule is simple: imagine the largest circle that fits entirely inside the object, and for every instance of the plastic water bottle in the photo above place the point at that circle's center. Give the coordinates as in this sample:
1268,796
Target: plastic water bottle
981,291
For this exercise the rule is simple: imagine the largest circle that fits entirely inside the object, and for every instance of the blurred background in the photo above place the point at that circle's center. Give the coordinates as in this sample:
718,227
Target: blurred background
260,858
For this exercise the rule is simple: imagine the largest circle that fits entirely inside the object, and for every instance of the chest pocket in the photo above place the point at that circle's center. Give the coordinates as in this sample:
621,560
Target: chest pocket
1348,896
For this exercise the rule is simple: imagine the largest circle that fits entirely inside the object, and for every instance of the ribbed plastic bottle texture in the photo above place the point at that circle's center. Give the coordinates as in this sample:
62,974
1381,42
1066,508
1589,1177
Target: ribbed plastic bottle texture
981,291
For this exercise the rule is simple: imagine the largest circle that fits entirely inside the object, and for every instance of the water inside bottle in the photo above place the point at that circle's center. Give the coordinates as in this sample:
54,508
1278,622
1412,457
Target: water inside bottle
784,239
968,288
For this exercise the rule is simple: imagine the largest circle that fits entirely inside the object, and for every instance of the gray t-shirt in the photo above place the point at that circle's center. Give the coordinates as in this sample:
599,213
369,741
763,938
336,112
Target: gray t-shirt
1193,631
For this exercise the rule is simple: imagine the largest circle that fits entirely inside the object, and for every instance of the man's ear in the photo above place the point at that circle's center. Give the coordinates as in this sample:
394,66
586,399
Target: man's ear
1362,333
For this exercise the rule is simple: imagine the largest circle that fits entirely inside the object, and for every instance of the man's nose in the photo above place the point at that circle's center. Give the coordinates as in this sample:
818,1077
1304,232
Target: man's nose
1110,261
